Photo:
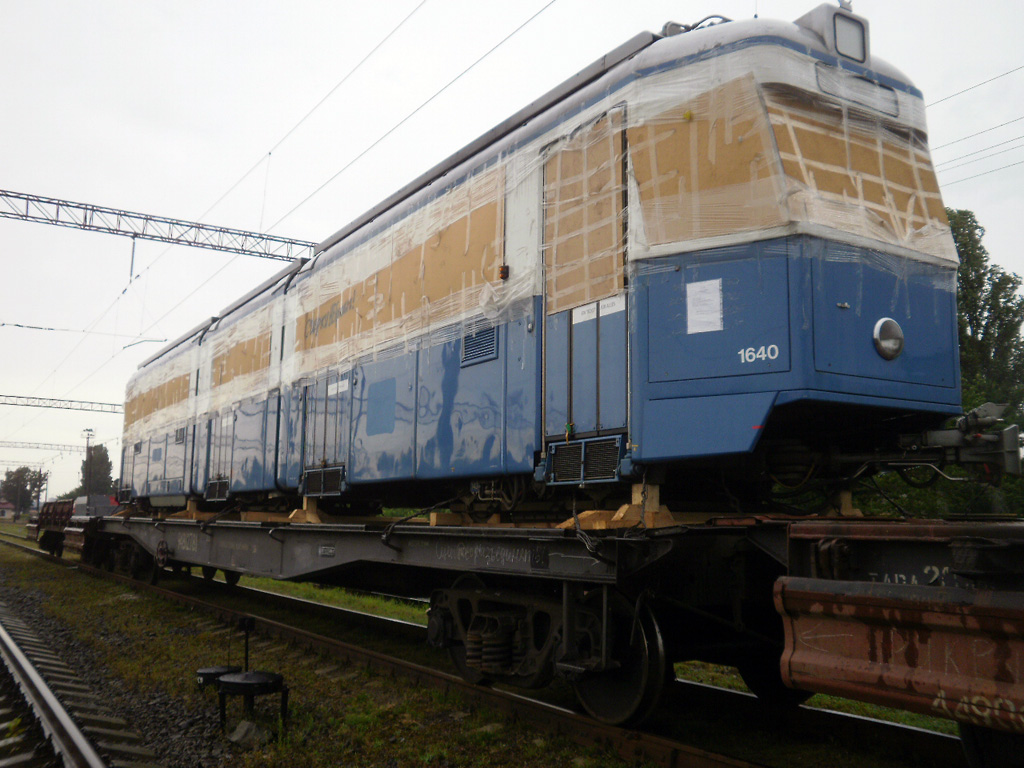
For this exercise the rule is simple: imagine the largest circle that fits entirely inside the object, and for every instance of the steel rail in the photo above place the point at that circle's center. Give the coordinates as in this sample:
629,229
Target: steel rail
69,743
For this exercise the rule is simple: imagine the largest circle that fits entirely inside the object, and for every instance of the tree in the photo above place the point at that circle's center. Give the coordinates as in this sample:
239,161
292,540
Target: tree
991,314
22,485
990,318
96,469
37,480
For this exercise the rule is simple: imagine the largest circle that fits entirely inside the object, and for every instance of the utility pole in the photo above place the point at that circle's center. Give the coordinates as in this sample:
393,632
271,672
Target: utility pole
88,468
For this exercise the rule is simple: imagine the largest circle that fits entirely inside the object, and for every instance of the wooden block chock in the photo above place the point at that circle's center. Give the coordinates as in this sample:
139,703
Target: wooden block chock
645,511
309,512
842,504
647,497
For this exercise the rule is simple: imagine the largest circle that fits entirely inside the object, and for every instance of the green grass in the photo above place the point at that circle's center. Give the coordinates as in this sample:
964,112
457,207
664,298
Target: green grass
11,528
340,714
727,677
378,605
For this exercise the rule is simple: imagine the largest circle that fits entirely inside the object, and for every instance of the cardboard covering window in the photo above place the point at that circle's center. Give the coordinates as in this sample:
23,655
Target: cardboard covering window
246,356
707,167
857,171
583,216
139,405
437,265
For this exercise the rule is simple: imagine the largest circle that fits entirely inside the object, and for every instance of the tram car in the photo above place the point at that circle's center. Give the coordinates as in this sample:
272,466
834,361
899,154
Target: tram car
718,260
713,266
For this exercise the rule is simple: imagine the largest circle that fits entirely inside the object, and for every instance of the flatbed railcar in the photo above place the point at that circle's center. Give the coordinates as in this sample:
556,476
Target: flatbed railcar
591,349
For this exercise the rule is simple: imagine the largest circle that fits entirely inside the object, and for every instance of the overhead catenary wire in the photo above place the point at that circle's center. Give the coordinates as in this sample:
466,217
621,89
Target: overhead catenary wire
409,116
27,327
231,261
976,85
980,159
979,151
211,207
363,153
979,133
317,106
983,173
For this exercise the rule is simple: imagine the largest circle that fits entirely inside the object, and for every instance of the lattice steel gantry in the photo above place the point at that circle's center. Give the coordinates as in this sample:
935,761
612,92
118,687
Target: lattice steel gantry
96,218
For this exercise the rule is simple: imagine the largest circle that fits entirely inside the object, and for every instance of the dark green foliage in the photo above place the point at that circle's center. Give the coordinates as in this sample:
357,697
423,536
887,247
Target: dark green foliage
95,473
991,313
22,486
990,316
96,468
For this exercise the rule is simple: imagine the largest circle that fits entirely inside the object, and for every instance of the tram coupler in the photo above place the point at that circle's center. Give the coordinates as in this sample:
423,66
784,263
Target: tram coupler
969,442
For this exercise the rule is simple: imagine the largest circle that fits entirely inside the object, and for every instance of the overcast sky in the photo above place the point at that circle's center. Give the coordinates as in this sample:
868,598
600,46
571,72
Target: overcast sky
162,108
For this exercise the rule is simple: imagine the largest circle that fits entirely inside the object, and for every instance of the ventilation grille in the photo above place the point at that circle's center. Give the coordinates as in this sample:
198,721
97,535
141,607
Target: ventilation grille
601,460
585,461
480,347
567,463
217,490
324,482
179,436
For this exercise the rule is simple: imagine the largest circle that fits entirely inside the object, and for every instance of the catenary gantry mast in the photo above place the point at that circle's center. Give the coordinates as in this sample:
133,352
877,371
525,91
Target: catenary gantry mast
69,405
95,218
59,447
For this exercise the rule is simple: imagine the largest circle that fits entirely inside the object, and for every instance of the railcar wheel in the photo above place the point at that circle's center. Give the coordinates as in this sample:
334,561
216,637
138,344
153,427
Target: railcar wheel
628,693
986,748
209,572
764,679
232,577
143,566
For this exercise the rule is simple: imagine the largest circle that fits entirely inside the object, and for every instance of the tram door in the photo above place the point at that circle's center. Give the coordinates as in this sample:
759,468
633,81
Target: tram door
327,424
585,360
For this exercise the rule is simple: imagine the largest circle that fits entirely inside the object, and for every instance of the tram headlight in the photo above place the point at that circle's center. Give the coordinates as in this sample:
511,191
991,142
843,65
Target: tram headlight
888,338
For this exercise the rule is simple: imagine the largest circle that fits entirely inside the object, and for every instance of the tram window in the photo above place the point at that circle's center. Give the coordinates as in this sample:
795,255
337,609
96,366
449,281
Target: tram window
850,38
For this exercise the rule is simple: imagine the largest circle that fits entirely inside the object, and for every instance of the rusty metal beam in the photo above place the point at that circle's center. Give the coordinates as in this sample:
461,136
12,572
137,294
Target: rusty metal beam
944,651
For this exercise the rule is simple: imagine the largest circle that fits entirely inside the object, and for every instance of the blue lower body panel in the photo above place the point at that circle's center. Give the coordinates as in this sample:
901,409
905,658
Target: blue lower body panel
724,336
702,426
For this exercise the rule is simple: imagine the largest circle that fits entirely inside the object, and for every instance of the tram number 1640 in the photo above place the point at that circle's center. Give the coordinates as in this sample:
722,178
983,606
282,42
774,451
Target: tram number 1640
753,354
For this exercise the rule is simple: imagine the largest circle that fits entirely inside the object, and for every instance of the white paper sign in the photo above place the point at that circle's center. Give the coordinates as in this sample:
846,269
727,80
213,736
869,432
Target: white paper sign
612,305
584,313
704,306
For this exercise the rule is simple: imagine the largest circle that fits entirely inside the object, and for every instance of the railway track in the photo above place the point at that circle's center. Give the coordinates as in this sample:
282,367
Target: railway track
931,748
50,716
656,748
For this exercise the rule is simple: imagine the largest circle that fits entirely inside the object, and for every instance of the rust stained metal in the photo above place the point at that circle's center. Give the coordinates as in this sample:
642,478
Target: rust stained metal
918,531
944,651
